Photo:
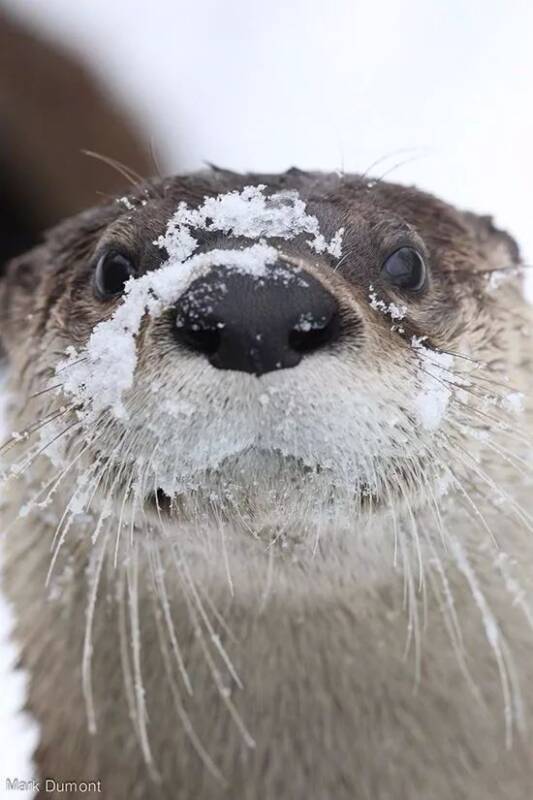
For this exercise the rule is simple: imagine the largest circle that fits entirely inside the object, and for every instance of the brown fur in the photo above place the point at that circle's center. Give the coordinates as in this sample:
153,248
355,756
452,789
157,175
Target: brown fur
336,708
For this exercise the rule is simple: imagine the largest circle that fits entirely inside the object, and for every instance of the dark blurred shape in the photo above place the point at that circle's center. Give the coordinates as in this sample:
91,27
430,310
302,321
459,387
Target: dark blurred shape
51,108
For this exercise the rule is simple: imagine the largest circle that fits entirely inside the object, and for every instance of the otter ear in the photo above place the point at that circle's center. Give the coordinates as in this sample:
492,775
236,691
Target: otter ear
498,248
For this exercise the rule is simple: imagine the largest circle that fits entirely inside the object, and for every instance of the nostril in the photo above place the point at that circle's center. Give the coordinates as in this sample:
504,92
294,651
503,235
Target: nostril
204,340
311,333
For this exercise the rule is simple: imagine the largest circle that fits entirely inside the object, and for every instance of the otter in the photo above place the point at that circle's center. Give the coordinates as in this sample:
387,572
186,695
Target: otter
267,505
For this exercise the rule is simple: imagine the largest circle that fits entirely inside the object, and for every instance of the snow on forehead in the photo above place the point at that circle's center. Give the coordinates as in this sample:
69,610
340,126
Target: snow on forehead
250,214
98,376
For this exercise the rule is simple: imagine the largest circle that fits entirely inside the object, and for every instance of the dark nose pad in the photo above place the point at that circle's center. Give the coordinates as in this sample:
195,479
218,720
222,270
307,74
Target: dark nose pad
256,324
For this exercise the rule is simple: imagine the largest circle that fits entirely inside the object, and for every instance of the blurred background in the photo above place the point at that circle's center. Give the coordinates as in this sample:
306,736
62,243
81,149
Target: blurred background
437,94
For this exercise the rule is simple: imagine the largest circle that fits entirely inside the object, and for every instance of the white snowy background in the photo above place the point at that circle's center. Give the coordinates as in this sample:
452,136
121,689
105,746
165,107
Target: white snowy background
333,85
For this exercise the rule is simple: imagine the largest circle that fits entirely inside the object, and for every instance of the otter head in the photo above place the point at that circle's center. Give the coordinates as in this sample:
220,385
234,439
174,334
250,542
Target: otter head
278,352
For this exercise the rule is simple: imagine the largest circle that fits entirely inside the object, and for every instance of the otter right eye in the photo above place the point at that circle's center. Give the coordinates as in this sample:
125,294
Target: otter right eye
405,269
113,270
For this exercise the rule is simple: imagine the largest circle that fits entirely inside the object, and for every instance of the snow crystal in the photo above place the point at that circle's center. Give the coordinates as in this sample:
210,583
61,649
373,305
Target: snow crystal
308,322
432,400
126,202
392,309
320,245
500,276
98,376
514,402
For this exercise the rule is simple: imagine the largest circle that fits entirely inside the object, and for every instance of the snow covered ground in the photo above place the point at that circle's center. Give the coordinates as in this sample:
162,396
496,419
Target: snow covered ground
337,85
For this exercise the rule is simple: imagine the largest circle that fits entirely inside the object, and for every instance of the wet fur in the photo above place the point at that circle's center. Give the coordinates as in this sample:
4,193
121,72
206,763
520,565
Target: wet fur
264,650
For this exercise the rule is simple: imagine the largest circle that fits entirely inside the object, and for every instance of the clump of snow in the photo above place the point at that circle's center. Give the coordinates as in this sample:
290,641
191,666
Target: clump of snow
433,397
126,202
250,214
500,276
98,376
496,279
514,402
393,310
334,247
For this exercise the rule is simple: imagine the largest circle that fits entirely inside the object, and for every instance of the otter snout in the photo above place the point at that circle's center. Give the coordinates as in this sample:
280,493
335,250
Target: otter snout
256,323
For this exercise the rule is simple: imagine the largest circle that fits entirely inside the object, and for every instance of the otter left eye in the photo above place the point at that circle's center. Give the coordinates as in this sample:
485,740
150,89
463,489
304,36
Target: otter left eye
406,269
113,270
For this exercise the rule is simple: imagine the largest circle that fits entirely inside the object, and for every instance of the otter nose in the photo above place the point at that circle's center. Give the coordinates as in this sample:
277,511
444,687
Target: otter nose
256,324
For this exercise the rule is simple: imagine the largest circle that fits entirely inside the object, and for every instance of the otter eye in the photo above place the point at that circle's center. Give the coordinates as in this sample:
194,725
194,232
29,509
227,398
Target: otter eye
405,268
112,271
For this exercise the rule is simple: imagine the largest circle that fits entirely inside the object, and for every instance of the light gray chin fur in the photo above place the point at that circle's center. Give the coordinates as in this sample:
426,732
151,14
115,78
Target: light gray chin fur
258,484
321,427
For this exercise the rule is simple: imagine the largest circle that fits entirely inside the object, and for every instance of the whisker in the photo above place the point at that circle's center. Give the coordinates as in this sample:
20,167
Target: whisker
44,391
510,689
159,577
185,720
34,427
88,642
127,173
222,690
132,572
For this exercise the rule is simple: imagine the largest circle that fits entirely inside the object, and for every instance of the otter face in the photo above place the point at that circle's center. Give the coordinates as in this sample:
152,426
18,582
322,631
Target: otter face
265,348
